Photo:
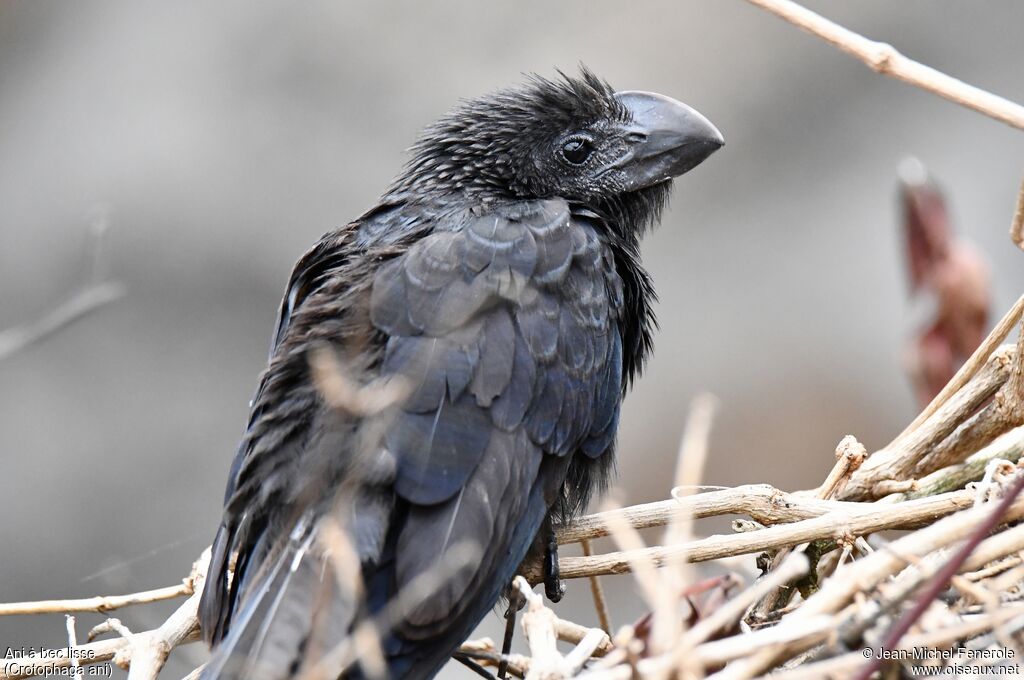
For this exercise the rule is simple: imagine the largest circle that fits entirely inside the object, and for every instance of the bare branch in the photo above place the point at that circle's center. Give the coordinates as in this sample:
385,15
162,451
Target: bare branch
836,593
604,617
883,58
762,502
79,305
898,460
101,604
144,653
96,293
860,519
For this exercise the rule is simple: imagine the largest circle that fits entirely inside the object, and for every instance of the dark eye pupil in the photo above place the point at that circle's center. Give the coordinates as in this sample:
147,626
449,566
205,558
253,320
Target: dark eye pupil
576,151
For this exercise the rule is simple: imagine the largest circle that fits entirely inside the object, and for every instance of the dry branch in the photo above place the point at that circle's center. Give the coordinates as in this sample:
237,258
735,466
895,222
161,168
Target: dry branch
899,460
803,519
883,58
101,604
845,519
143,653
79,305
96,293
1003,412
1008,447
850,455
871,570
948,571
794,566
843,666
761,502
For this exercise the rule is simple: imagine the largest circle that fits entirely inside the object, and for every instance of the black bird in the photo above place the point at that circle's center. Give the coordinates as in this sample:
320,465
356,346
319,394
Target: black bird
499,277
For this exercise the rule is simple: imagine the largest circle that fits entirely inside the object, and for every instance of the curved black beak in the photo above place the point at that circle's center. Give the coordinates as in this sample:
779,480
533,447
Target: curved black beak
670,138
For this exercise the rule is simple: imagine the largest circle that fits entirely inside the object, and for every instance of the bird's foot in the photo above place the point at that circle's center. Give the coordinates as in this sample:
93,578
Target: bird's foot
553,586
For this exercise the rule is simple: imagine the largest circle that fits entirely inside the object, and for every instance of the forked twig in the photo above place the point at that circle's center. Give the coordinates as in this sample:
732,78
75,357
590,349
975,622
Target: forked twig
97,292
82,303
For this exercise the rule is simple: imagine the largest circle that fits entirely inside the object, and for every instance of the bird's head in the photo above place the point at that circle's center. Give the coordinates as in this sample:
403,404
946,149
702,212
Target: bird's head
575,138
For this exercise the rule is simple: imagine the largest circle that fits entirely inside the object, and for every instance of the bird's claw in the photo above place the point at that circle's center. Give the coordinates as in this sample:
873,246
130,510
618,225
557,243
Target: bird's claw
553,586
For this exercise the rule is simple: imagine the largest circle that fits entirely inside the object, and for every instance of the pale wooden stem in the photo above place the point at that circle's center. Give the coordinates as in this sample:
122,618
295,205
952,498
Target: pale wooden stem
150,651
857,519
843,666
884,59
807,631
604,616
897,461
761,502
837,592
1006,410
995,547
79,305
850,455
1009,447
101,604
541,628
970,367
143,653
794,566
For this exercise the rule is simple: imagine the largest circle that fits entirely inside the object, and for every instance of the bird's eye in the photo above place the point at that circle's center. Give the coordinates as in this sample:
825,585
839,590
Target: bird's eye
577,150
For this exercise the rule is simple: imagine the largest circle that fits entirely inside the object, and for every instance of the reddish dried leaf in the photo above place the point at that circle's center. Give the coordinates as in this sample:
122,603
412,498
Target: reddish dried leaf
951,272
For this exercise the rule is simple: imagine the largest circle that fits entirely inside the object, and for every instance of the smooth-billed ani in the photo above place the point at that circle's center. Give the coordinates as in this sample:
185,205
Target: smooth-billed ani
499,278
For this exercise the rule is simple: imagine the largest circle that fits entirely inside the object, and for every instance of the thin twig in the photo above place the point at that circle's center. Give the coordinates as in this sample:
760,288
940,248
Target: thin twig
970,367
144,653
1008,447
604,617
194,675
96,292
149,652
83,302
795,566
883,58
762,502
843,666
940,580
484,651
1003,412
101,604
898,460
540,627
861,518
837,593
644,564
690,462
850,455
76,666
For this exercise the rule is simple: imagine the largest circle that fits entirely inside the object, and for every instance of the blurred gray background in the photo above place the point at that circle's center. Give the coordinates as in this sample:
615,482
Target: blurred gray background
223,138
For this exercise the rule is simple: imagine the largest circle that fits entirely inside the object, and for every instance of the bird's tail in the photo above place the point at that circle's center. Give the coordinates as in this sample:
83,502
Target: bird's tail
294,613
